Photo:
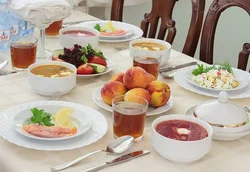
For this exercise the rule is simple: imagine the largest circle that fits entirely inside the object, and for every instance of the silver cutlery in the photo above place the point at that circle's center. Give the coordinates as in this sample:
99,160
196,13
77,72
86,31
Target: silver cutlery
118,160
166,69
66,24
116,147
168,75
247,109
7,73
3,64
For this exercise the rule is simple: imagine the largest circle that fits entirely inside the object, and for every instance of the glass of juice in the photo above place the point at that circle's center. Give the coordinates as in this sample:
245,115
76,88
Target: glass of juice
23,52
53,29
129,114
149,61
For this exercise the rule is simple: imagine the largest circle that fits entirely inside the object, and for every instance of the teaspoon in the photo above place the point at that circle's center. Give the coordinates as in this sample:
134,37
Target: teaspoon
3,64
116,147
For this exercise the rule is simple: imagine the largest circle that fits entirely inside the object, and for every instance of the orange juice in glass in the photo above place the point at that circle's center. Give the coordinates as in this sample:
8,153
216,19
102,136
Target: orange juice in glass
53,29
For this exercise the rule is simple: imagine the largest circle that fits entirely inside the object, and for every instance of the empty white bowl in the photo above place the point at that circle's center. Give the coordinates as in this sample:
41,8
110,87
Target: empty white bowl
165,53
49,86
67,41
181,151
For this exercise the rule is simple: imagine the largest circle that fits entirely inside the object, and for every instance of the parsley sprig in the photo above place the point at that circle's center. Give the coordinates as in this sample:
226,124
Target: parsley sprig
40,117
98,27
88,50
202,69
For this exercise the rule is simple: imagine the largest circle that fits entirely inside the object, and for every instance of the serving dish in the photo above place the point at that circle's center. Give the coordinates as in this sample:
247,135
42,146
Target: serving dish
181,151
79,119
49,86
69,41
243,82
96,96
165,53
137,32
180,79
98,128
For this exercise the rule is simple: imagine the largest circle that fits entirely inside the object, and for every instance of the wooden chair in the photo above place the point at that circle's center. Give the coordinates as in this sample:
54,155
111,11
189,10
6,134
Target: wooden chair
117,10
163,9
209,28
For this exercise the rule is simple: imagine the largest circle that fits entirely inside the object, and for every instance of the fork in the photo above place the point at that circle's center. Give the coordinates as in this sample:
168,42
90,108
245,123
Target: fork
55,96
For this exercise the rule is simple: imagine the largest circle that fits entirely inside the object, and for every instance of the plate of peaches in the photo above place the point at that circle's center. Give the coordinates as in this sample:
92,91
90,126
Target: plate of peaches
156,92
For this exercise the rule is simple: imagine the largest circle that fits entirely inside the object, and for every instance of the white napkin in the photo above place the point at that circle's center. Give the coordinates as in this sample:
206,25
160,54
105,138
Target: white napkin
41,10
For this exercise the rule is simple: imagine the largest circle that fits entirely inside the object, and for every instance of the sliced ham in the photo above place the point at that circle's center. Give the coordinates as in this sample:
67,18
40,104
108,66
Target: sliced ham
119,32
49,132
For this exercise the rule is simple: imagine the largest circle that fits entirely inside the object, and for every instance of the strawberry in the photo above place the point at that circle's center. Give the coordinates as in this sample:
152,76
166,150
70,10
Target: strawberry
97,60
85,69
57,59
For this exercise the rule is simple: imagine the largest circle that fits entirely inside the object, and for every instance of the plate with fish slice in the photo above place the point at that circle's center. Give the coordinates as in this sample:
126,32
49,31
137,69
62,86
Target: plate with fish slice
20,126
51,122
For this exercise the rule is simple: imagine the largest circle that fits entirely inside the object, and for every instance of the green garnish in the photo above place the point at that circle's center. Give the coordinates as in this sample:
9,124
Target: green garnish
202,69
97,27
40,117
84,58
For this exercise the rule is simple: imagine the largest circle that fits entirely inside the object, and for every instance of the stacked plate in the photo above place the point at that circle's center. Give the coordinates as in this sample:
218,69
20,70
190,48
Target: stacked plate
91,126
130,31
183,77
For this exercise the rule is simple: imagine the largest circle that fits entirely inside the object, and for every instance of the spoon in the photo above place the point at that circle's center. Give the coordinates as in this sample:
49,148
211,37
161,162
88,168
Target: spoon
168,75
116,147
3,64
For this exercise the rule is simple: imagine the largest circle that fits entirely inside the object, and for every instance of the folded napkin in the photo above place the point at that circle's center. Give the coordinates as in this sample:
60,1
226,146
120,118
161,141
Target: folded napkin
41,10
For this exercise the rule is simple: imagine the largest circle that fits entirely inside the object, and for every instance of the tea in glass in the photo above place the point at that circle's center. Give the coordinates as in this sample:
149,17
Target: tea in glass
150,62
53,29
129,114
23,52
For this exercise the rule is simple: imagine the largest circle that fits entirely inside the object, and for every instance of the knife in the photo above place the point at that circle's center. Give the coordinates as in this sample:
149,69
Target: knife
118,160
166,69
7,73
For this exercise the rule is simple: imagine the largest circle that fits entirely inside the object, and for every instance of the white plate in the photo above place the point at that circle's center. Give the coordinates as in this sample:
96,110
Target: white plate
117,25
97,131
136,31
243,82
180,79
79,119
110,66
151,111
222,136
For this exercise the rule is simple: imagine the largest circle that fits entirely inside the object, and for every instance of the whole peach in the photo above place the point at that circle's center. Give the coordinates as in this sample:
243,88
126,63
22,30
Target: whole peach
135,77
138,92
151,77
159,98
157,86
112,89
118,77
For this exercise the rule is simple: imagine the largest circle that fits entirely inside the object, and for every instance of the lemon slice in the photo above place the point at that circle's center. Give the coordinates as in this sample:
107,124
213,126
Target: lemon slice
108,27
62,118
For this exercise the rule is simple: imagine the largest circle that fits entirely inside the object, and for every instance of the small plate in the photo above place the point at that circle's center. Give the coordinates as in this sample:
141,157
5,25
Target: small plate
242,80
134,31
80,120
151,111
221,136
110,66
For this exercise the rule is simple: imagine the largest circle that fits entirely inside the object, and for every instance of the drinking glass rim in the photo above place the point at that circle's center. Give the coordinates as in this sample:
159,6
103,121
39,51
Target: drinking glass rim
145,105
34,41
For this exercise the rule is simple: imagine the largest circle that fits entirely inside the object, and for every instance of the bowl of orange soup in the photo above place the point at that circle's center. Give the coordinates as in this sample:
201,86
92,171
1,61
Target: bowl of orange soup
83,36
152,45
50,77
181,138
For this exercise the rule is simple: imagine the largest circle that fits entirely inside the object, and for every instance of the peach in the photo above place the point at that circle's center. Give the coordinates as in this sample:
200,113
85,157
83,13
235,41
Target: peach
159,92
118,77
135,77
138,92
112,89
151,77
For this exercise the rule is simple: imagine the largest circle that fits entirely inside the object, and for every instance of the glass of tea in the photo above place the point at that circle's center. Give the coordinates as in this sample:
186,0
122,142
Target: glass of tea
23,52
149,61
129,114
53,29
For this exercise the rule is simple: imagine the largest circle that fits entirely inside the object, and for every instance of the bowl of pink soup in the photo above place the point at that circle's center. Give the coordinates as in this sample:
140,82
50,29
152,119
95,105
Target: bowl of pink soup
78,35
181,138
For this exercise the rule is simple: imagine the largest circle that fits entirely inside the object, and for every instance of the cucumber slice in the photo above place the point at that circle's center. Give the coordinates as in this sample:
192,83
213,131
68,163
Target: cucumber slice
97,67
58,52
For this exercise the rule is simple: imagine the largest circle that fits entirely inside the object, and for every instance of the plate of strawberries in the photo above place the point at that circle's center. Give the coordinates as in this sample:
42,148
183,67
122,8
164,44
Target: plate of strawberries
88,61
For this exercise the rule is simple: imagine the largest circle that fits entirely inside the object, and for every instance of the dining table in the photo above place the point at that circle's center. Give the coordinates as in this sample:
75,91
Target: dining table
224,156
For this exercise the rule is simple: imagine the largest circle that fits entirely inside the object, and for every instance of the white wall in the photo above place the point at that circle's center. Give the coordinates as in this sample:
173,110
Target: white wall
233,28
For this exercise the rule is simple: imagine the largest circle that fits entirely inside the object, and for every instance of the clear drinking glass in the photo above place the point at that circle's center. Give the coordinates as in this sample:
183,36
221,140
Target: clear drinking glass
53,29
129,114
149,61
23,52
